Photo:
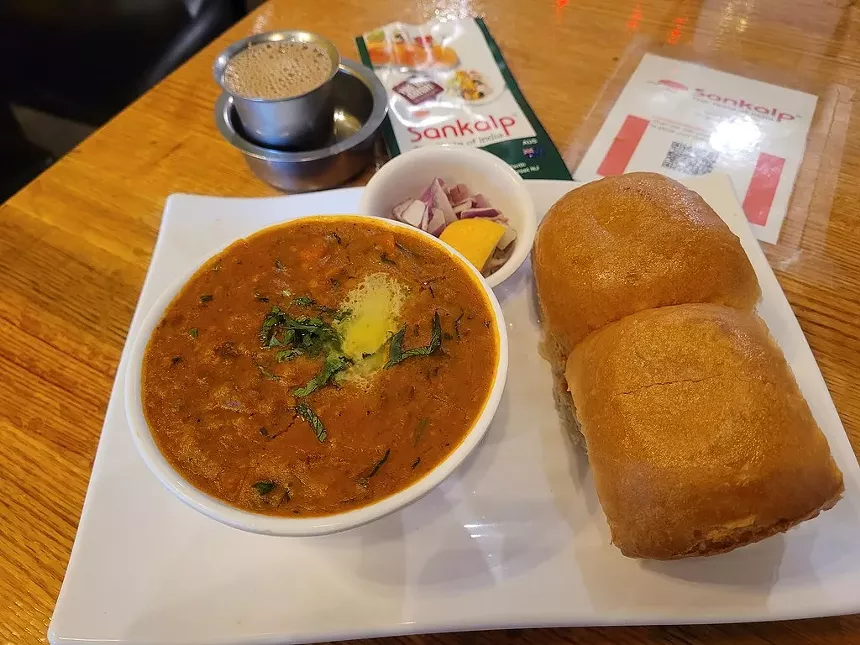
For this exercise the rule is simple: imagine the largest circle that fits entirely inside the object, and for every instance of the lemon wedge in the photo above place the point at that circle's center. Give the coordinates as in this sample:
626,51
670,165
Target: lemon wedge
475,238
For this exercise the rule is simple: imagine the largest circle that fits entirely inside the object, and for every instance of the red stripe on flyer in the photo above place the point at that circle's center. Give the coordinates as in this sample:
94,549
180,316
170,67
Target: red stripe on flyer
623,146
762,189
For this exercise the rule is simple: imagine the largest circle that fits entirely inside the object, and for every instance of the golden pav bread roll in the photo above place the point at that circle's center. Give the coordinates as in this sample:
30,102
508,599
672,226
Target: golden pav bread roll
631,242
698,436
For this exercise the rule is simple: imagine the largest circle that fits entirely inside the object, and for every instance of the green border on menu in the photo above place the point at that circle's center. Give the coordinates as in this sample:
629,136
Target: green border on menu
551,164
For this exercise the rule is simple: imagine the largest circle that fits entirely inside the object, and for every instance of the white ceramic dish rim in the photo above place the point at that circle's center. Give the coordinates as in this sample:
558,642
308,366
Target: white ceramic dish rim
287,526
525,233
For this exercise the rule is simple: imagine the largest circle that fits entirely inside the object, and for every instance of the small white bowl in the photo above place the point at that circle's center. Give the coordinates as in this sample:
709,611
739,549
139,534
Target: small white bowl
307,526
407,175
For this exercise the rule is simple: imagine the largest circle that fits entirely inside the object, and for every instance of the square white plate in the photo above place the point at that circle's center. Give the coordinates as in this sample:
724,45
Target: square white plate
514,538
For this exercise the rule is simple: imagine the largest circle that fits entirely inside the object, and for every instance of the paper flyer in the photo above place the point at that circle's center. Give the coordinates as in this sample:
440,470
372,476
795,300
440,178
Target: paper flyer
684,120
448,84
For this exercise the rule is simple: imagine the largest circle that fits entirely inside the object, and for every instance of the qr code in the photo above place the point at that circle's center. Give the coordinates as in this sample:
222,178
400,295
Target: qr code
690,160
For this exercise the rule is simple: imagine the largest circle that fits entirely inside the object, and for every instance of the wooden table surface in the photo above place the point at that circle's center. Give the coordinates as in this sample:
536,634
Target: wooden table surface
75,245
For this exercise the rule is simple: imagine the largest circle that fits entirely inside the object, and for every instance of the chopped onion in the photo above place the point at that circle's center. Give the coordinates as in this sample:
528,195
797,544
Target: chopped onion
494,263
415,214
438,206
480,212
440,201
480,201
508,238
459,193
436,222
427,195
397,211
462,206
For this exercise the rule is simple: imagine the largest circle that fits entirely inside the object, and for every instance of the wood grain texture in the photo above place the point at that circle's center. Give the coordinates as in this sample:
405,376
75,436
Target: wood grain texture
75,245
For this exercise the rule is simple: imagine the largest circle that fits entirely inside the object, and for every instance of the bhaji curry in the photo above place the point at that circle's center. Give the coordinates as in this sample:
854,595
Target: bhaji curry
319,366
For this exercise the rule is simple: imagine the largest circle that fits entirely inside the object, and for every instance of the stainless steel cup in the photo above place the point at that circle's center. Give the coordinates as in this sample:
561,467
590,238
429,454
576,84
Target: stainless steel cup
301,122
360,108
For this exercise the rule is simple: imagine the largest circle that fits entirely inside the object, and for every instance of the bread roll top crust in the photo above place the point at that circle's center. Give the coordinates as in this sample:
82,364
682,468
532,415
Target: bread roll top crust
632,242
698,436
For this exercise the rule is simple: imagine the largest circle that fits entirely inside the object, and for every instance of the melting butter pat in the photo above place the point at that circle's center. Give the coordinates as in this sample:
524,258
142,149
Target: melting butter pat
475,238
374,307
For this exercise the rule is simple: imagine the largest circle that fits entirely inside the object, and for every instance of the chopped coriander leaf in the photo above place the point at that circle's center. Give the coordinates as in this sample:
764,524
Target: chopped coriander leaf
336,314
312,334
264,487
269,375
457,324
206,297
396,353
193,332
285,355
267,331
365,480
298,327
304,301
305,412
333,365
406,250
260,297
325,311
379,463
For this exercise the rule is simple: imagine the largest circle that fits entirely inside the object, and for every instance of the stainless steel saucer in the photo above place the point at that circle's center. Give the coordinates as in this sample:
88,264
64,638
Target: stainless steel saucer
360,108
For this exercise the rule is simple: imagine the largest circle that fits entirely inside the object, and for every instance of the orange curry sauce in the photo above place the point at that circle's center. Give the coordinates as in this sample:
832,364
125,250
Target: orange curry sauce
225,413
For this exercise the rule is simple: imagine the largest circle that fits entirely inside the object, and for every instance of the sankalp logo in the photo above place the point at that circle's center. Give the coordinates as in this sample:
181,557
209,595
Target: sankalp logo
736,104
675,86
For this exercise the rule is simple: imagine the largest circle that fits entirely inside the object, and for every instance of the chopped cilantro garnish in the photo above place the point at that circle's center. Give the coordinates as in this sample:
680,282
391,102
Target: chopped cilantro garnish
397,354
264,487
332,366
305,412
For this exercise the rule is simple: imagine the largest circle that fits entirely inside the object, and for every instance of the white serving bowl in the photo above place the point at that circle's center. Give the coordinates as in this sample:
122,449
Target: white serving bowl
303,526
407,175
